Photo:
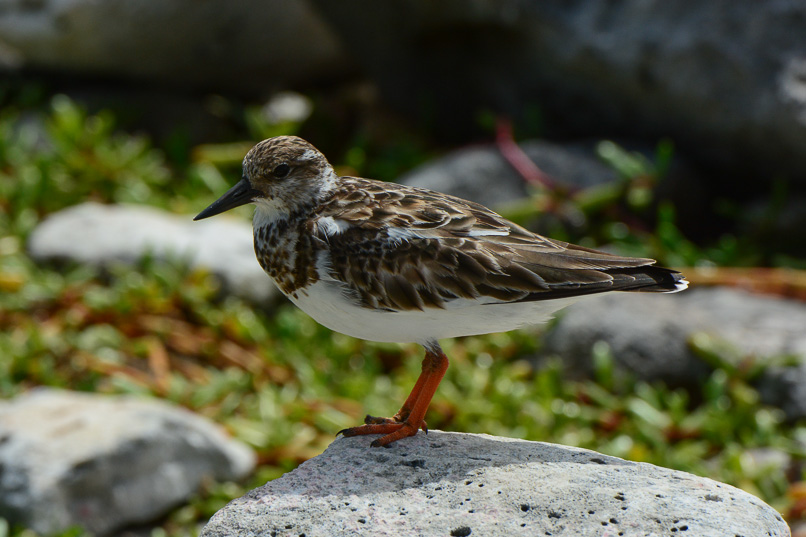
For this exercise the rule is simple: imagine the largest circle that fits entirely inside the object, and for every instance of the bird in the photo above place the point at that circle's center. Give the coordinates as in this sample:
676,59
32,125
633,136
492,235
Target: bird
387,262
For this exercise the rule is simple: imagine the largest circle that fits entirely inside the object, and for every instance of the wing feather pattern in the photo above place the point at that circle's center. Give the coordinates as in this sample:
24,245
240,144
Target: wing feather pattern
405,248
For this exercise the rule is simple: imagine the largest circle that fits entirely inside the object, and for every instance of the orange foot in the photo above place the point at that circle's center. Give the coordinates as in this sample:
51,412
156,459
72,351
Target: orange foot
411,417
392,428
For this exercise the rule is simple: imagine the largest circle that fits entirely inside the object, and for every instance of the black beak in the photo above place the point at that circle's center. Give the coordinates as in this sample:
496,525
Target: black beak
241,194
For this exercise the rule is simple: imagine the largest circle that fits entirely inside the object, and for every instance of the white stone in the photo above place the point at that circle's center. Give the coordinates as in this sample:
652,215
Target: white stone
287,106
106,462
99,234
452,484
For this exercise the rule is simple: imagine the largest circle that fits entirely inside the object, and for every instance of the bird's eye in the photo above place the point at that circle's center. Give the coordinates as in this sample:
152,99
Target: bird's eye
281,170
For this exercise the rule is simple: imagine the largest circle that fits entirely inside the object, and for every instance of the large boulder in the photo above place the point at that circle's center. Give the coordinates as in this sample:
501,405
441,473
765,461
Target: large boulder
724,79
248,46
451,484
103,462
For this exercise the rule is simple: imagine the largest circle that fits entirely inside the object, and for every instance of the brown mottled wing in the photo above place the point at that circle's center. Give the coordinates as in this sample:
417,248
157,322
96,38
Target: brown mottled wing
404,248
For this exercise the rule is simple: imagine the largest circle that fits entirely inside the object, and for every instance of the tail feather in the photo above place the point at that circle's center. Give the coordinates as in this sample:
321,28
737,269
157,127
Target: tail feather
648,279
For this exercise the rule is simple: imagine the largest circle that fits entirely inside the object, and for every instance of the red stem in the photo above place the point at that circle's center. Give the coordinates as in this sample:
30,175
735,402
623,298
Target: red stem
519,160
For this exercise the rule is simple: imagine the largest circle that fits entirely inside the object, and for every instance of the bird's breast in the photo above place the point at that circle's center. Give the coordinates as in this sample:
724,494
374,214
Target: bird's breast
287,254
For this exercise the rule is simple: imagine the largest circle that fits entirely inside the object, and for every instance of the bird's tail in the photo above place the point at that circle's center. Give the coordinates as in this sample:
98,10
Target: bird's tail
649,279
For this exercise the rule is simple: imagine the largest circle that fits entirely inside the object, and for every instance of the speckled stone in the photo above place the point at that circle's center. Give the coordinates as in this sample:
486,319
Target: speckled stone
452,484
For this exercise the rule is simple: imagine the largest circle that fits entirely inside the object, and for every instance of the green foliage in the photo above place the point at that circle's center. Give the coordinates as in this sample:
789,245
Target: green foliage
50,163
65,157
386,159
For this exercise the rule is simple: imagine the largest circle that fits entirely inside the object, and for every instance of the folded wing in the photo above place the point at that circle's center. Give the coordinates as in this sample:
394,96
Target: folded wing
403,248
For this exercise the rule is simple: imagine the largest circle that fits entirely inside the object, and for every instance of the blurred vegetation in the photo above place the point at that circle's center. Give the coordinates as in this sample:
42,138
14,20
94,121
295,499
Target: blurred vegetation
285,385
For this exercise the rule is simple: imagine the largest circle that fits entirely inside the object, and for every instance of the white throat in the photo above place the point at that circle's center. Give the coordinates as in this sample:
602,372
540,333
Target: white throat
268,211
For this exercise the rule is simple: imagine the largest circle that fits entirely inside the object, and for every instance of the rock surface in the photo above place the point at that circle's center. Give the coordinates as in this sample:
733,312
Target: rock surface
105,462
126,233
451,484
734,96
649,336
247,46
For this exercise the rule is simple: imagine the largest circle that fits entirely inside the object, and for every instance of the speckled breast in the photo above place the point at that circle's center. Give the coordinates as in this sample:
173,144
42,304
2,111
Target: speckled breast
287,254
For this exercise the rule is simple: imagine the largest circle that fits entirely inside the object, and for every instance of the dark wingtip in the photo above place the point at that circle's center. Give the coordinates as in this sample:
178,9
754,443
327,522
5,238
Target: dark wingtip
680,283
665,280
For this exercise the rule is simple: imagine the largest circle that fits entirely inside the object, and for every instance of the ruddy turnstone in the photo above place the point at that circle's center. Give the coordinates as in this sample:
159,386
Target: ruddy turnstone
387,262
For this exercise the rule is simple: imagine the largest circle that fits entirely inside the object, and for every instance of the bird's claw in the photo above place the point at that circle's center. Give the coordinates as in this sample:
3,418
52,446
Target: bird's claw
391,428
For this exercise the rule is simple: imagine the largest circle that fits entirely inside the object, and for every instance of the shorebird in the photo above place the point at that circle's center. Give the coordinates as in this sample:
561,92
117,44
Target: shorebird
387,262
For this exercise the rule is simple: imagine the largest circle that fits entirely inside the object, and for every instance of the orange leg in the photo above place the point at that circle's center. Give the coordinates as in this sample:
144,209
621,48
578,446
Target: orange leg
404,412
411,416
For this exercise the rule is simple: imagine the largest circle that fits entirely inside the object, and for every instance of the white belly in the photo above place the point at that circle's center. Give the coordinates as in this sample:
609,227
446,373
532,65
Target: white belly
325,302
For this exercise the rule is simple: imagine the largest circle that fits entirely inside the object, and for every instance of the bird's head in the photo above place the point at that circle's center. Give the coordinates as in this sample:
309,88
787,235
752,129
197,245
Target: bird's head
280,175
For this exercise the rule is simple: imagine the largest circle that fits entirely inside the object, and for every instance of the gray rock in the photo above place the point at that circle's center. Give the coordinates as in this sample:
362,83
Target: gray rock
247,46
469,484
785,387
104,462
100,235
481,174
724,79
756,324
649,335
469,173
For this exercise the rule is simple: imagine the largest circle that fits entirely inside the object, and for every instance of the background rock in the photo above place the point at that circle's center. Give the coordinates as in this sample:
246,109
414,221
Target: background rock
647,335
480,173
483,175
785,387
724,79
734,97
105,462
99,235
251,46
650,336
466,484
